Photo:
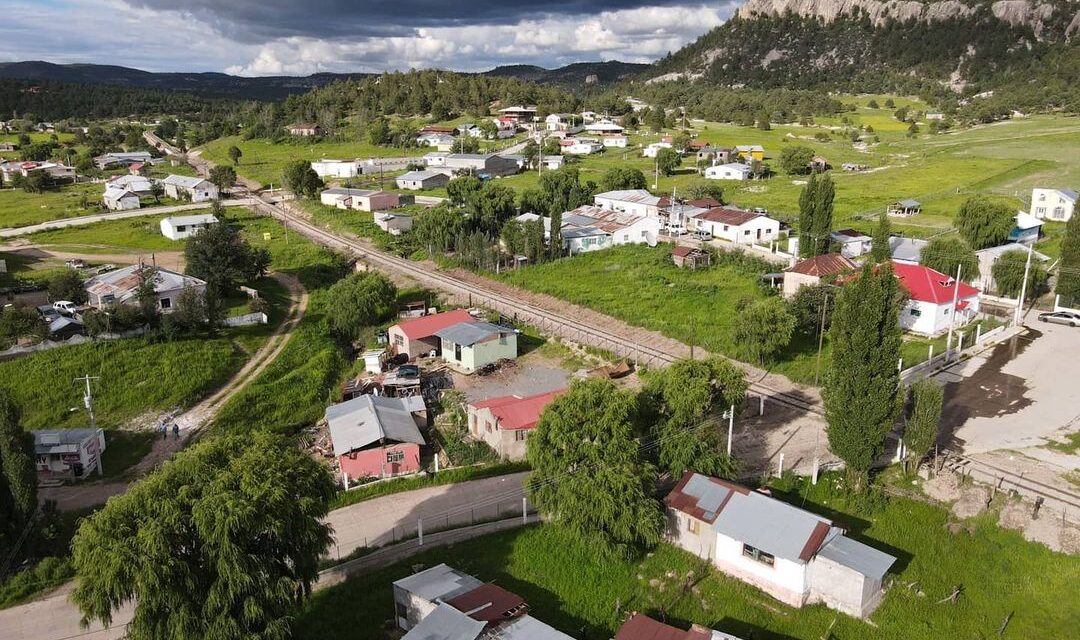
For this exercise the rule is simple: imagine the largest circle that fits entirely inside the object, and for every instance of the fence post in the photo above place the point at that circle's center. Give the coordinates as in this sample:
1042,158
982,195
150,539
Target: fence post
730,428
420,530
524,511
761,405
959,342
780,466
930,354
813,476
978,333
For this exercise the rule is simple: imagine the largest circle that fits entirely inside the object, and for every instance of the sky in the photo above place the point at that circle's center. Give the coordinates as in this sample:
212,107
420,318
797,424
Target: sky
300,37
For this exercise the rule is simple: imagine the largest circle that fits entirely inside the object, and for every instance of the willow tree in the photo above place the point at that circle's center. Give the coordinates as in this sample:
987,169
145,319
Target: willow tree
221,542
589,474
861,383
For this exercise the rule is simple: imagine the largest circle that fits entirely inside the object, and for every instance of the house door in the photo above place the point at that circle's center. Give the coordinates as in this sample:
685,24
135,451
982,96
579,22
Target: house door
457,352
759,234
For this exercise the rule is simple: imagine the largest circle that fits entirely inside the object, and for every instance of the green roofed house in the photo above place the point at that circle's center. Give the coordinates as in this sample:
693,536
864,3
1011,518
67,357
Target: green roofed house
471,346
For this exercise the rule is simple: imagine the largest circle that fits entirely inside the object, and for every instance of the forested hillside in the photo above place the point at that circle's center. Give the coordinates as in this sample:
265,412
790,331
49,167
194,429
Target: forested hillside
937,49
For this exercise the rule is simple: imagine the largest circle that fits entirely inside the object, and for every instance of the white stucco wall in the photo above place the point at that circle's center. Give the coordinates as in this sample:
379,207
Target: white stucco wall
785,580
842,588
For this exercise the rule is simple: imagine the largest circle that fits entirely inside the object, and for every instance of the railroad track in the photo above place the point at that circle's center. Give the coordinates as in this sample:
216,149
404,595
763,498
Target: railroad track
1005,479
572,328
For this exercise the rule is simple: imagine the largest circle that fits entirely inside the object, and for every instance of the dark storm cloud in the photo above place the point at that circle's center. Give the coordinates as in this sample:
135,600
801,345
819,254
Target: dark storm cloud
257,20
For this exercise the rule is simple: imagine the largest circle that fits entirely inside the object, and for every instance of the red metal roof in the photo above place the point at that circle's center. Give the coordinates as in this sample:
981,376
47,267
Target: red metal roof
926,285
824,265
704,203
426,326
641,627
688,504
516,413
489,603
723,215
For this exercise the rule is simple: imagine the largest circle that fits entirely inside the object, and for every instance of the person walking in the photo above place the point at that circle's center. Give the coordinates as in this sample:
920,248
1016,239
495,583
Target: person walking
175,430
164,430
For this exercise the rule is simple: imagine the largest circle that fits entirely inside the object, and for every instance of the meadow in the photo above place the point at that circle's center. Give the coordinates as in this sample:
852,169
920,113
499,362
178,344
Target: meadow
577,589
131,235
19,208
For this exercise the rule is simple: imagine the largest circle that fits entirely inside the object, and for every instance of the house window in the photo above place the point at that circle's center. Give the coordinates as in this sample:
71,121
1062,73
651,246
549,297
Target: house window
395,456
758,554
725,227
1041,211
746,233
166,303
399,340
502,339
915,312
180,228
520,435
1059,212
693,526
944,312
1042,197
487,425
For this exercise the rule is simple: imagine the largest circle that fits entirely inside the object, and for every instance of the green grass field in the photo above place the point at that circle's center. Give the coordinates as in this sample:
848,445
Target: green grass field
132,235
570,586
263,160
19,208
136,377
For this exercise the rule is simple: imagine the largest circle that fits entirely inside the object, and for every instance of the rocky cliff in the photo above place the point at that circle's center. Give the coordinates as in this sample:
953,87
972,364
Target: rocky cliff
1030,14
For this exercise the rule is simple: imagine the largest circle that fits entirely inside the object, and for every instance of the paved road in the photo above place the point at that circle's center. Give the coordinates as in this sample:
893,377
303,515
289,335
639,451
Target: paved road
115,215
55,618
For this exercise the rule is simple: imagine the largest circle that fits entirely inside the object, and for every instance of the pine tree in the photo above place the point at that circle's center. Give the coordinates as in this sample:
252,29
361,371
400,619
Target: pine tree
880,249
860,392
1068,283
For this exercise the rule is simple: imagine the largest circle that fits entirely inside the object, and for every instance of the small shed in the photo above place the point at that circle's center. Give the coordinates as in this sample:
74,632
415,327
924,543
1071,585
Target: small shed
690,257
374,359
905,208
819,164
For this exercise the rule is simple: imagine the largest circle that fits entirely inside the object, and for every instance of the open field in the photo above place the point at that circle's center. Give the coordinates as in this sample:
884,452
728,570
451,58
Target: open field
19,208
575,589
133,235
135,377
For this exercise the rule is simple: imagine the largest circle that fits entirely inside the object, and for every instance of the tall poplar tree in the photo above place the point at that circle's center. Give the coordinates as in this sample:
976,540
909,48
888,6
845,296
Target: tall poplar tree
862,381
823,214
807,207
879,251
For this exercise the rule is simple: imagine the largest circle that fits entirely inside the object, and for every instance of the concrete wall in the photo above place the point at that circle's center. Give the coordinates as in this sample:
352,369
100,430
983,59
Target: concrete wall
415,608
414,348
480,354
644,231
785,580
507,444
842,588
691,534
794,281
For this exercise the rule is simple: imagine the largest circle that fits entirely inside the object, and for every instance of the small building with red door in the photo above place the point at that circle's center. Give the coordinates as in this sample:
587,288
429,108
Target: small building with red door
416,336
376,436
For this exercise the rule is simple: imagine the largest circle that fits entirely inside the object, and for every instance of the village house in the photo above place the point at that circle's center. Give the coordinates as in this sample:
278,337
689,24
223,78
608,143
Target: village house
605,127
68,453
750,152
416,337
469,130
737,226
303,129
125,159
818,164
1027,229
851,243
614,141
419,180
8,146
519,114
393,223
120,286
583,239
139,185
641,627
327,168
930,307
567,122
713,155
504,422
812,270
580,146
489,164
440,141
906,250
653,149
120,199
359,199
442,603
473,345
904,208
987,257
636,201
504,128
180,227
190,188
690,257
729,171
1053,204
675,217
622,227
795,556
376,436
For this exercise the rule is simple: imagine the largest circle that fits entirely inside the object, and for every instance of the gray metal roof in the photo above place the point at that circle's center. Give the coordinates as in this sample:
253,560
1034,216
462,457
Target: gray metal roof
907,249
187,182
446,623
582,232
440,582
367,419
768,524
529,628
203,218
708,494
858,556
46,439
909,203
420,175
469,333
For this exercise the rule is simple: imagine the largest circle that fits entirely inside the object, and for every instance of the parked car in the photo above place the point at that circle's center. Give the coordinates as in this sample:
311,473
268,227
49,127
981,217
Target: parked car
65,307
1061,317
408,371
75,263
703,234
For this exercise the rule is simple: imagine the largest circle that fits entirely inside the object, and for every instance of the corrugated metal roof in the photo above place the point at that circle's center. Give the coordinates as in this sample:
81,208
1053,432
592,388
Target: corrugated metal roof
440,582
187,182
46,439
367,419
772,526
858,556
469,333
529,628
446,623
205,218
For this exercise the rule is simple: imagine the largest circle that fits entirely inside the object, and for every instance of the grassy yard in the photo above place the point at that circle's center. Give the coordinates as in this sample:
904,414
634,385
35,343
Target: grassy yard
136,377
19,208
264,160
133,235
572,587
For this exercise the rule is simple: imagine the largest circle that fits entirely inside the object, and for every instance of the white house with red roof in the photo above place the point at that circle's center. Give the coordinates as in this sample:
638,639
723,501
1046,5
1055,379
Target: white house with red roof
504,422
794,555
736,226
930,308
416,336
